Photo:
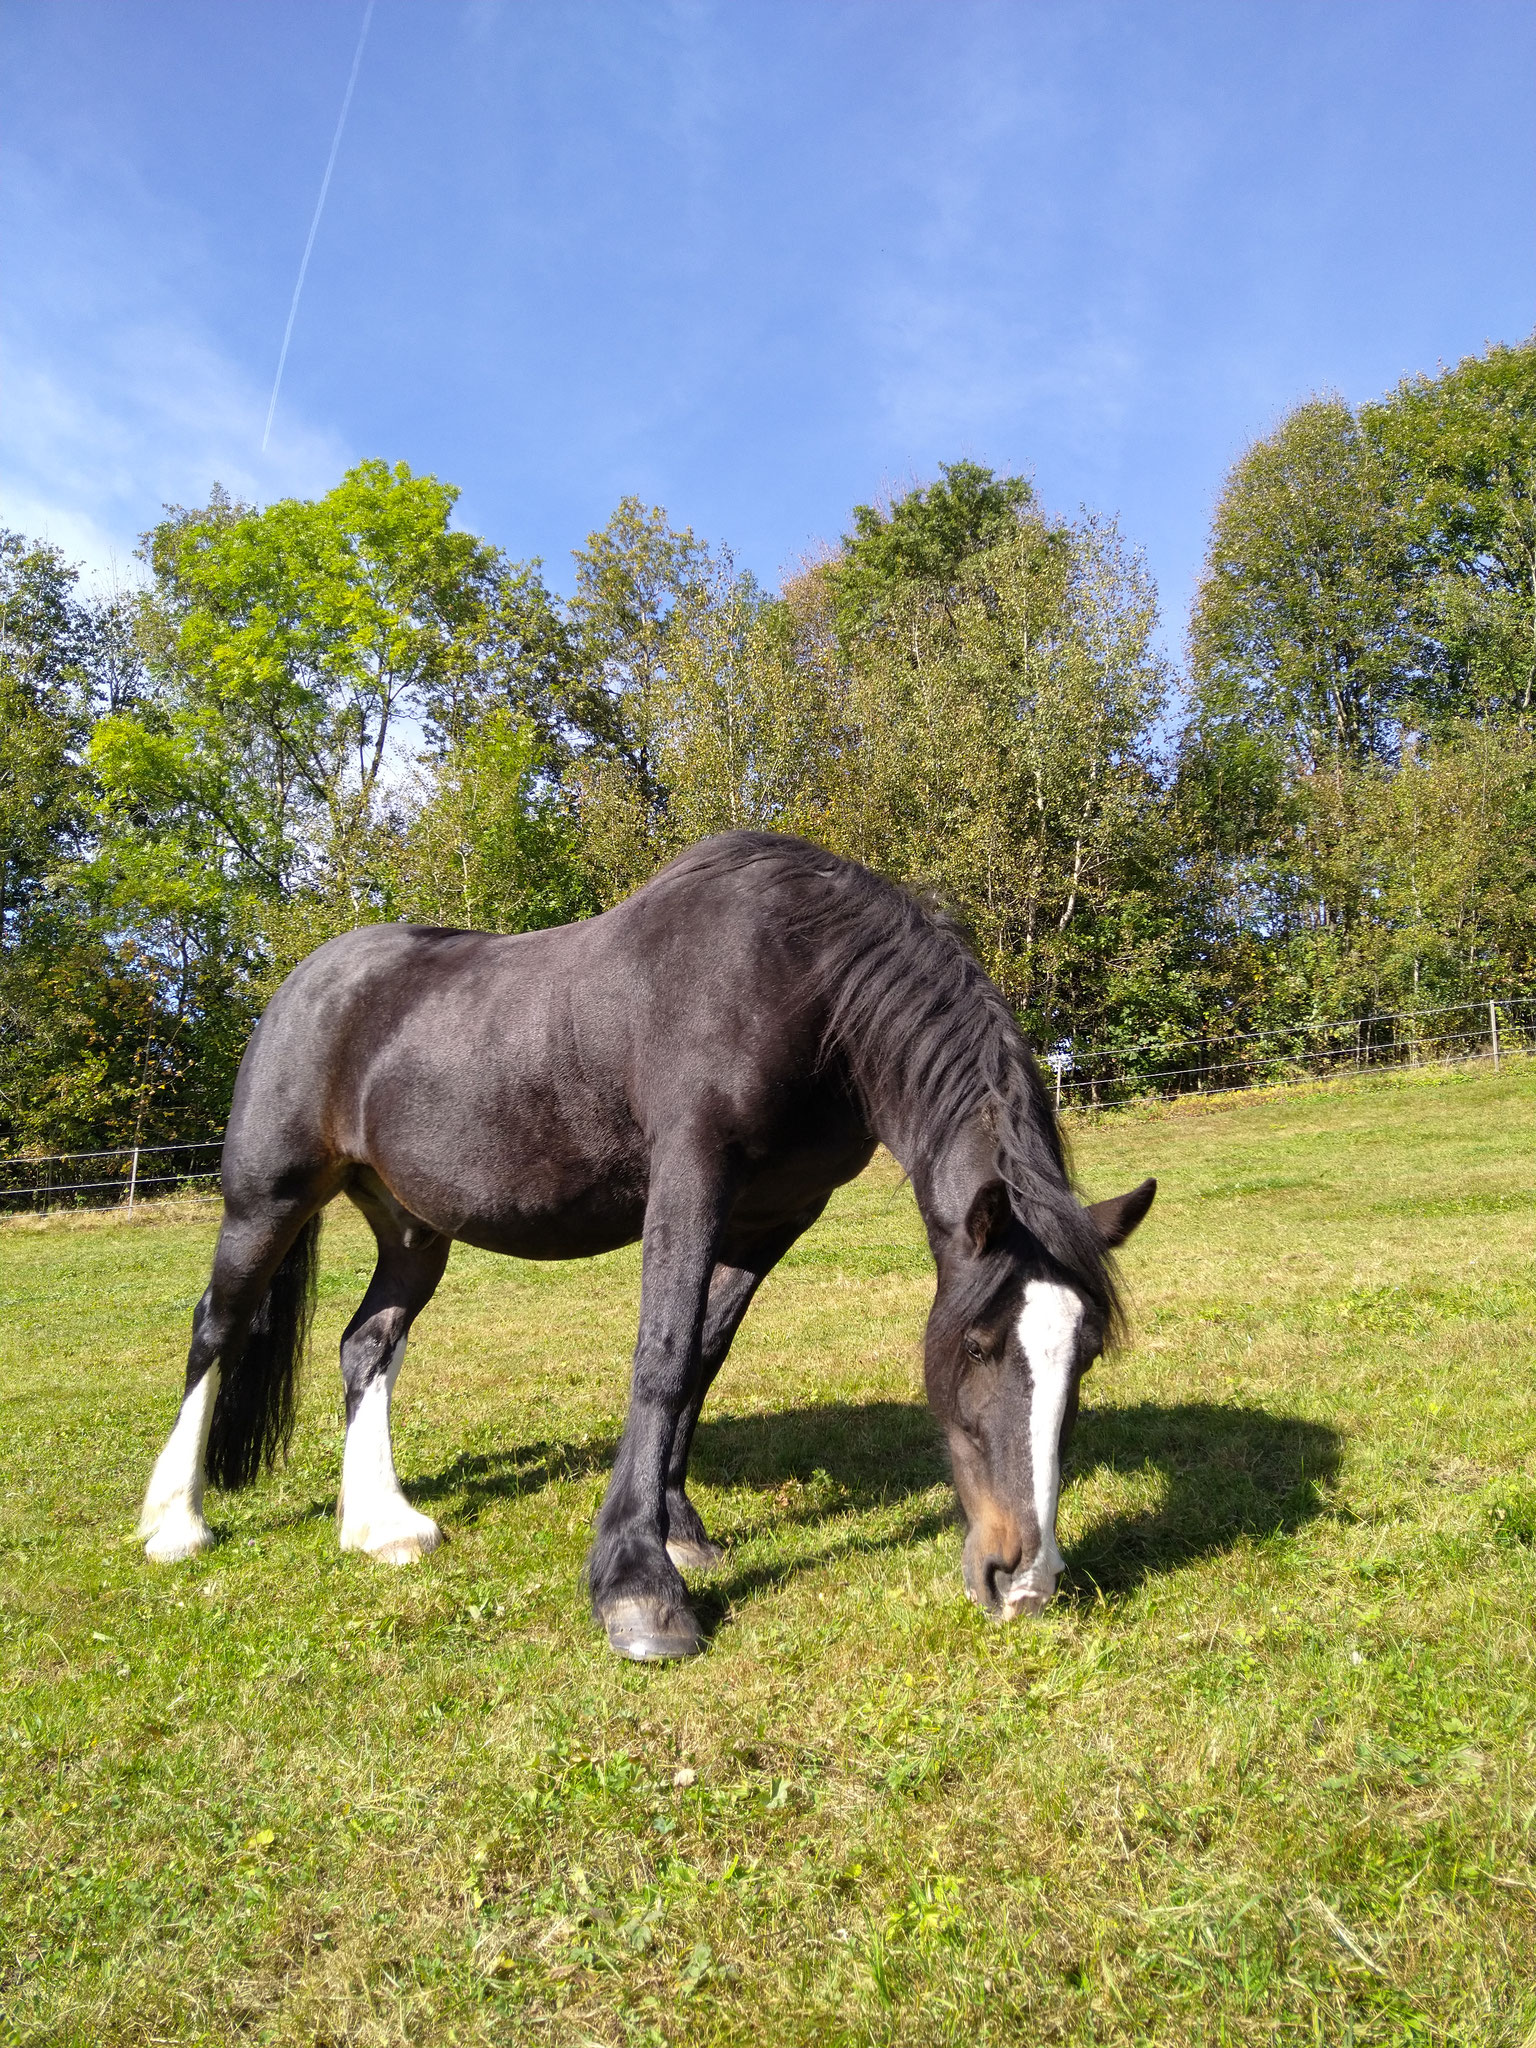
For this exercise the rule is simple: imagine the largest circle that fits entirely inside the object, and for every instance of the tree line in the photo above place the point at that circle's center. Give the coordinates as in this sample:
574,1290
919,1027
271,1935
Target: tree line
328,712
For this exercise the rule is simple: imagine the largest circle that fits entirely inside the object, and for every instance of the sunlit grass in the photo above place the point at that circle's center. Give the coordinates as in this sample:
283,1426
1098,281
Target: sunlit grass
1264,1774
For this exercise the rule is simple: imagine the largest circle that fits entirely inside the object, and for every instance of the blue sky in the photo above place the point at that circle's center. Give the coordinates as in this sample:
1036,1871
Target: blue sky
754,260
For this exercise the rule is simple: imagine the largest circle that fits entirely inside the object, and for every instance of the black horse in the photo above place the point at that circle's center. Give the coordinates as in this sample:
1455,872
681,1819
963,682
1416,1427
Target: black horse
698,1068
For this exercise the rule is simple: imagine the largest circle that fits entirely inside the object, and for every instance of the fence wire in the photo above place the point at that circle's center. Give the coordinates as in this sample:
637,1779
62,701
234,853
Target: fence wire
121,1176
1218,1063
1093,1077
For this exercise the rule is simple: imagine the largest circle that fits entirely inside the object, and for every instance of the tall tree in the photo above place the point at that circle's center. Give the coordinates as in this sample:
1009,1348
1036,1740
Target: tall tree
45,694
80,1055
630,578
923,542
486,840
1460,450
253,791
737,729
1301,632
994,733
297,657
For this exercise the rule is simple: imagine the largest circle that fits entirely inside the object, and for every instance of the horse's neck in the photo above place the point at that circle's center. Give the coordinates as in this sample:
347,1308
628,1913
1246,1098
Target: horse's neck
947,1182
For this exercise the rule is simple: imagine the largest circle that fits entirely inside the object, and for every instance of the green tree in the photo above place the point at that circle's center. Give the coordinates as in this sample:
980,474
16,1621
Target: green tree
288,647
254,789
925,542
44,710
1460,449
1405,888
297,658
630,578
736,729
1301,635
81,1057
993,729
487,842
1352,780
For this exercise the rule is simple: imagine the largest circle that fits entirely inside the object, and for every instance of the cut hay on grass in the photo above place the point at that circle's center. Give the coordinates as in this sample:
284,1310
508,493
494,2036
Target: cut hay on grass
1264,1774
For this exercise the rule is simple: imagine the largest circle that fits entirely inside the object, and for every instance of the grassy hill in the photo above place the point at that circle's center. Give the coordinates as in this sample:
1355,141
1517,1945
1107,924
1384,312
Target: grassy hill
1266,1773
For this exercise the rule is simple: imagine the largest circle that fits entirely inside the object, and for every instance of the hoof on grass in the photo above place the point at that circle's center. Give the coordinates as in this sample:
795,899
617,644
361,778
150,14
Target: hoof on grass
689,1556
402,1540
177,1538
649,1633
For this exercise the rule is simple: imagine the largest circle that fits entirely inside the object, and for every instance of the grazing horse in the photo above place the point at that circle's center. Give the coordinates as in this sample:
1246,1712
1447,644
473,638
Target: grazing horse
698,1068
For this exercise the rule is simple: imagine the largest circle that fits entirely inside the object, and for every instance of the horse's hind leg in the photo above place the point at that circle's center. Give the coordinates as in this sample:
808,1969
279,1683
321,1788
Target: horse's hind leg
372,1513
264,1251
171,1522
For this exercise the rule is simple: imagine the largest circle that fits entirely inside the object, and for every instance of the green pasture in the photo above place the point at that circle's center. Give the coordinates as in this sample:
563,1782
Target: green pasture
1266,1773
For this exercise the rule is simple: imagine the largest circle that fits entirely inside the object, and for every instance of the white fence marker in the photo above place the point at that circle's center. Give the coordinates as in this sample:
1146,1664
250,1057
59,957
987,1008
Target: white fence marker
1060,1061
1493,1029
133,1178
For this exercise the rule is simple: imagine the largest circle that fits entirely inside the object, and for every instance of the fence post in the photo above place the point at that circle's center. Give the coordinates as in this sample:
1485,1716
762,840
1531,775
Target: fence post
1493,1030
133,1178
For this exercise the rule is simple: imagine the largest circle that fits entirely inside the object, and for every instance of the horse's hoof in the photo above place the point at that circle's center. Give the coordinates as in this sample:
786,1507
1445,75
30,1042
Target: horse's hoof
689,1556
177,1538
649,1632
401,1543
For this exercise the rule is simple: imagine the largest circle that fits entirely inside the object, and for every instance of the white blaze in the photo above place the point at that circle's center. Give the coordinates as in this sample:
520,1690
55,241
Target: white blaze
1047,1326
171,1520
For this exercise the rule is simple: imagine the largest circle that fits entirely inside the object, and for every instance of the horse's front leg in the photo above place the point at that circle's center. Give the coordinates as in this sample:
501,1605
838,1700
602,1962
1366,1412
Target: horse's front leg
731,1288
637,1592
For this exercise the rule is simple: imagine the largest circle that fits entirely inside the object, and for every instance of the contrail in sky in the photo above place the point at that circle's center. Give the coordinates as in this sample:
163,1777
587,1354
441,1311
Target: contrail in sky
325,186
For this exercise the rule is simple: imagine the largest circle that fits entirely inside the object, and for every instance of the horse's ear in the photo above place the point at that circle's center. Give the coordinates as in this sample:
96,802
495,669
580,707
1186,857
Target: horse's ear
1116,1218
988,1216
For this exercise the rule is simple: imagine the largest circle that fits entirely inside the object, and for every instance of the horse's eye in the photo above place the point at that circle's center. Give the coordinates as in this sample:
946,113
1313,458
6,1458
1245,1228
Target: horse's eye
974,1351
973,1397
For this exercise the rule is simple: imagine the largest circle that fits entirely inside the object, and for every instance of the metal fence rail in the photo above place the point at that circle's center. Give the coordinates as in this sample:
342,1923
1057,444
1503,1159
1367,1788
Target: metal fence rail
1091,1077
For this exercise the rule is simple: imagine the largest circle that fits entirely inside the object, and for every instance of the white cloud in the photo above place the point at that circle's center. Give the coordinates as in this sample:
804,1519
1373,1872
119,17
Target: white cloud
118,399
90,448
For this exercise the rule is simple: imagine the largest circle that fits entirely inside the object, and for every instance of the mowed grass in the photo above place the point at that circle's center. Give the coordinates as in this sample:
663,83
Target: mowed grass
1265,1773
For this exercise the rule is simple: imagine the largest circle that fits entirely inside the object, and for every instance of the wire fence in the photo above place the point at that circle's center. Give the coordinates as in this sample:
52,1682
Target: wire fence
1216,1063
122,1176
1097,1077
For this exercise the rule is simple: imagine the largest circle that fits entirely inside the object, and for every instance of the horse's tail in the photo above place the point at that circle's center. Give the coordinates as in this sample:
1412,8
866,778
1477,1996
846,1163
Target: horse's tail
254,1409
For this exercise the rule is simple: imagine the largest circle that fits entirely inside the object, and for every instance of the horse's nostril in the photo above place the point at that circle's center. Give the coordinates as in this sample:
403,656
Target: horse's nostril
997,1577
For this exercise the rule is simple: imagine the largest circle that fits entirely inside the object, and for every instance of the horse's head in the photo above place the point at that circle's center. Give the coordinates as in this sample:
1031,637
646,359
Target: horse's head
1011,1334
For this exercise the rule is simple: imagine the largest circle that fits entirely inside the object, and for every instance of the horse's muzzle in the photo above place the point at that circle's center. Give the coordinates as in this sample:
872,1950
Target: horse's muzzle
1007,1590
1028,1592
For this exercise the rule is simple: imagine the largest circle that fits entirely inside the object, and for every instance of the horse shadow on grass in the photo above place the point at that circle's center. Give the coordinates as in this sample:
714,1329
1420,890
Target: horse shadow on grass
1225,1474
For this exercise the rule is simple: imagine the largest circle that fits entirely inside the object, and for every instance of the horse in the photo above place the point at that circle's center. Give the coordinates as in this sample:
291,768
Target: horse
697,1068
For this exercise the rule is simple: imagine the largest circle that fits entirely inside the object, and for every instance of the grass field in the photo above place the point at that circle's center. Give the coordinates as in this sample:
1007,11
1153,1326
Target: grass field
1265,1773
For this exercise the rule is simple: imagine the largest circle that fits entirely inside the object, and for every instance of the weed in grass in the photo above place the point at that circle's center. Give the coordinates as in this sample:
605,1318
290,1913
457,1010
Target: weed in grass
1266,1773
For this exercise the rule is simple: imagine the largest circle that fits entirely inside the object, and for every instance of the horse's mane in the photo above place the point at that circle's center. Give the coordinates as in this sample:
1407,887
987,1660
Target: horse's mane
918,1022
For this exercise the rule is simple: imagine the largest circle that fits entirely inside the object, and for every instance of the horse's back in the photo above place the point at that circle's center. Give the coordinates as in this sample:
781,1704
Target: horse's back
512,1090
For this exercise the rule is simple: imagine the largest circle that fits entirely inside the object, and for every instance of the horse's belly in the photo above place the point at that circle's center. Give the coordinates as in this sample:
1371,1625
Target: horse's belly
496,1145
578,1232
527,1209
